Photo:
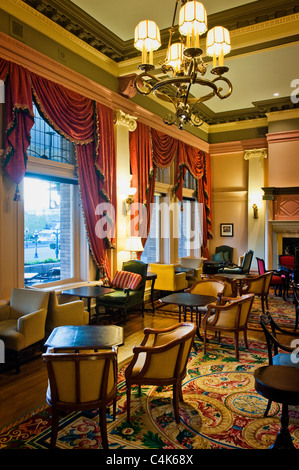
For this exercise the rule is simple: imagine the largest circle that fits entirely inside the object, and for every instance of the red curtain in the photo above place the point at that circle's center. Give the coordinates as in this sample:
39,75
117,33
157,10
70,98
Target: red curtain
164,149
19,118
198,163
82,121
143,178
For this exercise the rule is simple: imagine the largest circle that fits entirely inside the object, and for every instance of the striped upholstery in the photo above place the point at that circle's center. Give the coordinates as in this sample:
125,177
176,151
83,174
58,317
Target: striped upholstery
126,280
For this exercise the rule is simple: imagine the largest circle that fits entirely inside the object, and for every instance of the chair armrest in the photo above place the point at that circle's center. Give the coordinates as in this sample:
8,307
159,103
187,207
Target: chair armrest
32,326
4,312
71,313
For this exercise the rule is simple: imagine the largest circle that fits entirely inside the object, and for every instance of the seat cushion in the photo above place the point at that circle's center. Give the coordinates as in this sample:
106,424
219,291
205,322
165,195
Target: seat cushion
284,359
126,280
11,337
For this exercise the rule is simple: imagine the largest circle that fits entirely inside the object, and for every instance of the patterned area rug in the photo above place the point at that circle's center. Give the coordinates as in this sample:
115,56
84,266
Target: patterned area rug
282,311
221,410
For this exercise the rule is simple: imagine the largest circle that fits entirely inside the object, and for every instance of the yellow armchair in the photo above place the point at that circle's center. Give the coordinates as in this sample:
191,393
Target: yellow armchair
23,320
70,313
193,263
167,279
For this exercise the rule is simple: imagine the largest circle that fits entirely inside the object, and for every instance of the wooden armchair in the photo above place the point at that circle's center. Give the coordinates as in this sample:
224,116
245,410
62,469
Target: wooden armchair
275,348
85,380
161,359
230,317
258,285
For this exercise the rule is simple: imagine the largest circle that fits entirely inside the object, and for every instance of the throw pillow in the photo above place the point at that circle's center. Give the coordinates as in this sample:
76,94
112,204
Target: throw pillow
126,280
218,257
226,257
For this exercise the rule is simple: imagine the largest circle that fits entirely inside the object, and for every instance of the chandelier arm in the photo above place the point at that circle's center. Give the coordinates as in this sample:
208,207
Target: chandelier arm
230,87
139,83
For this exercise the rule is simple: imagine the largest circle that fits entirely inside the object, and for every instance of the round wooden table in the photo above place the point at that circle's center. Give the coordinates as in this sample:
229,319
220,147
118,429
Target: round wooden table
280,384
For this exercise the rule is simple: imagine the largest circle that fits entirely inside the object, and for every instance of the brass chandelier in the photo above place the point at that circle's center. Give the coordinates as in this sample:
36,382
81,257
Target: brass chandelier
183,62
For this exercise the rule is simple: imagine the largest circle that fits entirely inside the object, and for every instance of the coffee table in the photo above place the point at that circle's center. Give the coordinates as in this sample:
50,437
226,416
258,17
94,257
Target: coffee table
280,384
191,301
88,292
86,337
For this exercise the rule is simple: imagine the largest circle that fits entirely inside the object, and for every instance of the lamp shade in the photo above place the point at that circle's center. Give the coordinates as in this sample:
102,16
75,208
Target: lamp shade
218,41
193,19
175,55
147,34
134,244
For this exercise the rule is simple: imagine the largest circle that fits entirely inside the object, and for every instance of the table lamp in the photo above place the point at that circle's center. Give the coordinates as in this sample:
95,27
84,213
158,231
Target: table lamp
134,245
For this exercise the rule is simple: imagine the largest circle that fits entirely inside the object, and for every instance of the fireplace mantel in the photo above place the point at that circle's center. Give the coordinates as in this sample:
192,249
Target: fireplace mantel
285,226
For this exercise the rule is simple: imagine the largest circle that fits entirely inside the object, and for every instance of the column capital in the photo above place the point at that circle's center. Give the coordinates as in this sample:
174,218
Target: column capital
255,153
119,117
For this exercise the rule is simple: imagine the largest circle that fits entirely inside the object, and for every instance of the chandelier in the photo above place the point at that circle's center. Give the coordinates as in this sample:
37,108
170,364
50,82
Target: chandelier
183,63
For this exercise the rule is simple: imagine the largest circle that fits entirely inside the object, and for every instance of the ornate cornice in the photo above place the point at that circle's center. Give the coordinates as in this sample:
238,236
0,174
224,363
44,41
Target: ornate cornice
255,153
70,17
119,117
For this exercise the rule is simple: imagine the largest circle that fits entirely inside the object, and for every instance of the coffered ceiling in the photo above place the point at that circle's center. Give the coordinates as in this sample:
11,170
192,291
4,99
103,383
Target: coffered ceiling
263,63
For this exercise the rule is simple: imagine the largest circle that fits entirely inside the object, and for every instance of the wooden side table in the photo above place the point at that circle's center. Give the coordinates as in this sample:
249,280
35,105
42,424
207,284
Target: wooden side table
280,384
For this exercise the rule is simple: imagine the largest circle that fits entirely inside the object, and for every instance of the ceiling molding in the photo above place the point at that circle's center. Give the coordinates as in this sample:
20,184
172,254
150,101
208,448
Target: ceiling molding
75,20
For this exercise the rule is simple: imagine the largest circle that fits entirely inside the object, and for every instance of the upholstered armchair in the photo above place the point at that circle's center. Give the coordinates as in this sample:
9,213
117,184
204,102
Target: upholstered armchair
161,359
259,286
223,254
23,320
128,285
167,279
231,316
193,263
82,380
70,313
244,268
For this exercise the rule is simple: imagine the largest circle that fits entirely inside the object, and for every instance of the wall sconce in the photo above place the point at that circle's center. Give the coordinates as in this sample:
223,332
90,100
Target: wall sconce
130,198
255,211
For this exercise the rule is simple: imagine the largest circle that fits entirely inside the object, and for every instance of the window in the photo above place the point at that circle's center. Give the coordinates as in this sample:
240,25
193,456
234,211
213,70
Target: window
48,144
52,212
151,253
189,228
48,230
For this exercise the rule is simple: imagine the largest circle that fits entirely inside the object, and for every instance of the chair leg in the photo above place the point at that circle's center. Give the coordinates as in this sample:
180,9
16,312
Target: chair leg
128,386
268,407
103,426
54,430
176,394
245,339
237,344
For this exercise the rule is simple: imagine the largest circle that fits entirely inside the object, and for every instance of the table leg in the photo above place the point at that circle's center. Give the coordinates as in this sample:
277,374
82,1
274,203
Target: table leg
152,294
89,308
198,322
283,439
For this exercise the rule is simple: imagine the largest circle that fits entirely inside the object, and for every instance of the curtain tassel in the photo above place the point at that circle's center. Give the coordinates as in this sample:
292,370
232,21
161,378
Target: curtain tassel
17,196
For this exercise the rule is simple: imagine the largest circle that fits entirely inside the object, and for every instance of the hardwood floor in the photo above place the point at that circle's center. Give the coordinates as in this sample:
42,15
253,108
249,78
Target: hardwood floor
21,394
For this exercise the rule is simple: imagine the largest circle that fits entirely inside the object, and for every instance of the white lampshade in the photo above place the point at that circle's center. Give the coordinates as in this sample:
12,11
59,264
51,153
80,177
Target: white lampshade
134,244
193,19
147,35
218,41
175,55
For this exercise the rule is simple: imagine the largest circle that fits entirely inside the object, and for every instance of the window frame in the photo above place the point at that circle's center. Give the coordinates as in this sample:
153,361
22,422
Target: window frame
63,172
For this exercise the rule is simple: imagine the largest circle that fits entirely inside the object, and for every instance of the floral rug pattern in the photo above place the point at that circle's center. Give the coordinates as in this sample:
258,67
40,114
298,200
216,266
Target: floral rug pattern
221,410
